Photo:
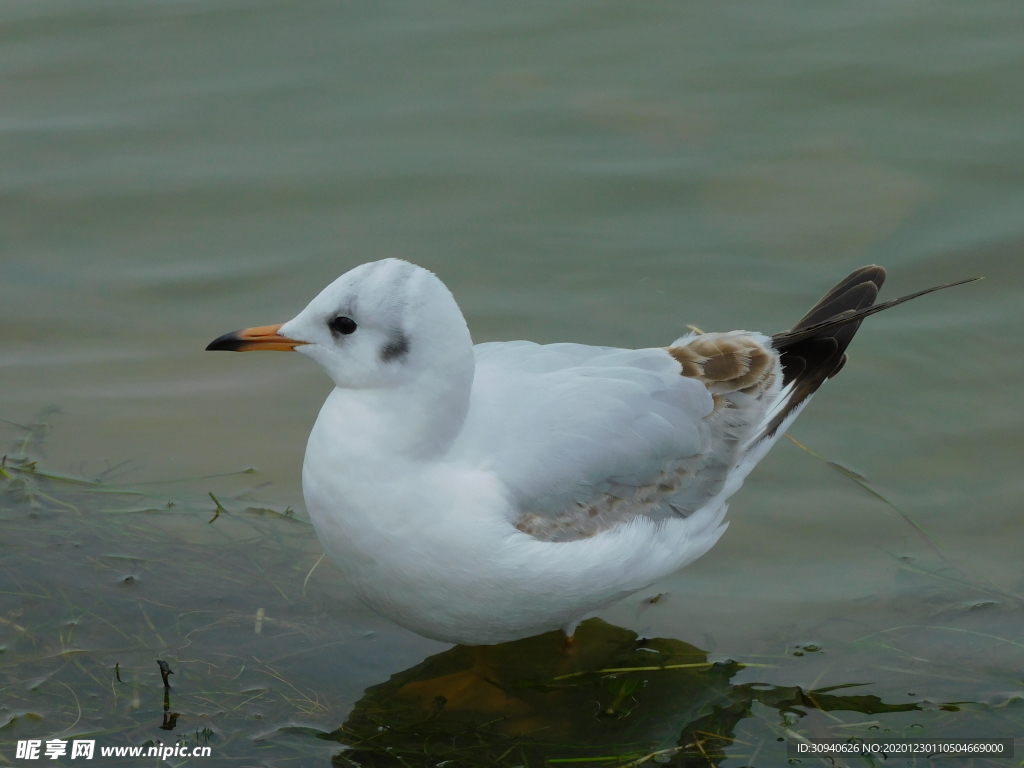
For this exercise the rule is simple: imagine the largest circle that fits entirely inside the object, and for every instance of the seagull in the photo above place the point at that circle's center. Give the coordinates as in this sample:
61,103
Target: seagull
479,494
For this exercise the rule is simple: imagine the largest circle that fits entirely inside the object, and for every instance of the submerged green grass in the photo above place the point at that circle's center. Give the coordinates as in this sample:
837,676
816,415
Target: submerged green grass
102,579
98,581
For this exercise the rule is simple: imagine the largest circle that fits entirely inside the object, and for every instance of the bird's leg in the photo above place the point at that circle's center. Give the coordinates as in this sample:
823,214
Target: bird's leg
569,647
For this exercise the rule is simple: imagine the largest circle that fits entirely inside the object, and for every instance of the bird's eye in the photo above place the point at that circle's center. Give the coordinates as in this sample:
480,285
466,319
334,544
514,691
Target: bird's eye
343,325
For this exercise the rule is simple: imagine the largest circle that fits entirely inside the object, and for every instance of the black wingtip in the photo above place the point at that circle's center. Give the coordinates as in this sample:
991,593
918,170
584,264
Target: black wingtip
814,349
803,331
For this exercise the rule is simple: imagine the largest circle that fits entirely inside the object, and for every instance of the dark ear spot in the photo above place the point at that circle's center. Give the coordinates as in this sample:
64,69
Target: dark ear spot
396,348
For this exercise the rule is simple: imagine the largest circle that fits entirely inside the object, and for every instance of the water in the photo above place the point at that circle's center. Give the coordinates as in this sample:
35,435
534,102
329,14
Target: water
603,173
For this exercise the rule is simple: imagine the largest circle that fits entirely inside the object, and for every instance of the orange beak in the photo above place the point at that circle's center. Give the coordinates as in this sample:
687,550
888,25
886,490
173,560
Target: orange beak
264,337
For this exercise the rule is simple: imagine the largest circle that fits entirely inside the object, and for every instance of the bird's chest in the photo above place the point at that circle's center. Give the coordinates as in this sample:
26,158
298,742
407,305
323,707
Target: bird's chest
393,523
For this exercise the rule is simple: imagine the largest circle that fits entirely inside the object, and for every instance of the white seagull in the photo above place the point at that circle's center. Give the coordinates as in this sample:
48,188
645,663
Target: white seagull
481,494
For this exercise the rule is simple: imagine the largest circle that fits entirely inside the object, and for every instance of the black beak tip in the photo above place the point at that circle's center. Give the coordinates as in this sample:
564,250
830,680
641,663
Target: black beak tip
229,342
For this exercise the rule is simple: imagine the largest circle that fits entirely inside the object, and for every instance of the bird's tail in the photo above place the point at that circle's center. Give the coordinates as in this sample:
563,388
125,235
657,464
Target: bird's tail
815,348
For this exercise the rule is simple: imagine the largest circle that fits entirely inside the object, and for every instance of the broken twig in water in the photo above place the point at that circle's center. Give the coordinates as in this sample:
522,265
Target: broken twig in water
220,507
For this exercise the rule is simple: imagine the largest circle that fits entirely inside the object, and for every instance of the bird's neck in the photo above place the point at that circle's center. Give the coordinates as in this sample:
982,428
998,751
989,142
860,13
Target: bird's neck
416,420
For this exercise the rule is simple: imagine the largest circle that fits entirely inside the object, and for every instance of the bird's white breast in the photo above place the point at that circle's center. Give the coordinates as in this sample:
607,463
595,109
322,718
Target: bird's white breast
429,543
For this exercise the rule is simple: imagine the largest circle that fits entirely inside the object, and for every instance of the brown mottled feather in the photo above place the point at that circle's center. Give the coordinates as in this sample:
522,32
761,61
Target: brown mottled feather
607,510
724,363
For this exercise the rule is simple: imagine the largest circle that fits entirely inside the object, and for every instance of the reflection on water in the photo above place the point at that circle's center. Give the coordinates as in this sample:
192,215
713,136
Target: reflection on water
138,614
614,697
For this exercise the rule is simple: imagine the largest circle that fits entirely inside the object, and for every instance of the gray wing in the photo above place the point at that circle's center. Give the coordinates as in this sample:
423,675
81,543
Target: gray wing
586,438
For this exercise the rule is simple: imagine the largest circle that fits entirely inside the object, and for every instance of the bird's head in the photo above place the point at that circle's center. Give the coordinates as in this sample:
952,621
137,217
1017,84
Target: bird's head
379,325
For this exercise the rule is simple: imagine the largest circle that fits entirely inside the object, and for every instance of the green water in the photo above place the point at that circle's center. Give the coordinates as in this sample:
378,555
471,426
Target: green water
596,172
